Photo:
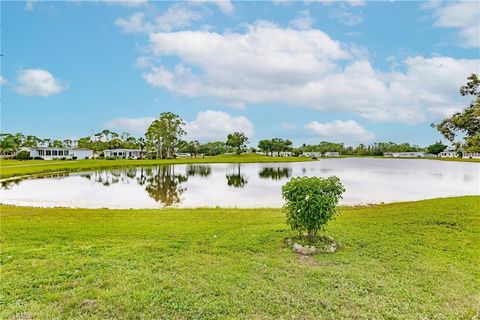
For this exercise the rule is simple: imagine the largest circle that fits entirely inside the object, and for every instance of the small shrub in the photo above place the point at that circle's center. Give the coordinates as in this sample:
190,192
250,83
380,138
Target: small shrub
38,158
23,155
110,158
310,202
74,158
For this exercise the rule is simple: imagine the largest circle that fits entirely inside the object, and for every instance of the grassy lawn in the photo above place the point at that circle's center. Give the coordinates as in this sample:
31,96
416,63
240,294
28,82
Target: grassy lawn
12,168
415,260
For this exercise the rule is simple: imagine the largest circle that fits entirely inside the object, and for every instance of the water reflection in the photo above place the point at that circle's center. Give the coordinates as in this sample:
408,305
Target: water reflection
163,184
242,185
236,179
275,173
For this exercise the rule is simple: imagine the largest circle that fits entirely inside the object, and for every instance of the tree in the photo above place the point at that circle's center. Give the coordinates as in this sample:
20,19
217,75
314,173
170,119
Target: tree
310,202
237,140
466,122
164,134
436,148
266,146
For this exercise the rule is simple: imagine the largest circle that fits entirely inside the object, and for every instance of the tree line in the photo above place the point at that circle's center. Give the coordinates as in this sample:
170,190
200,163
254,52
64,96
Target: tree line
164,138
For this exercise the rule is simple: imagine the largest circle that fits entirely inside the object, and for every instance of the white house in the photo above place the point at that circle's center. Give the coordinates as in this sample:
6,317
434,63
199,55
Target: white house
51,153
471,155
408,154
125,153
448,154
332,154
284,154
311,154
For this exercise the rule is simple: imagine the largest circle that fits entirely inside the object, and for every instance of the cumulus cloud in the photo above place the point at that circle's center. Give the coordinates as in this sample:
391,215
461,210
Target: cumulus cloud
2,81
216,125
270,64
175,17
463,16
38,82
132,125
226,6
348,131
304,21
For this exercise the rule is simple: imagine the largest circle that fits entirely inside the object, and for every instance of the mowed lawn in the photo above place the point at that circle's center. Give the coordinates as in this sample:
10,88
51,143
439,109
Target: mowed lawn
12,168
416,260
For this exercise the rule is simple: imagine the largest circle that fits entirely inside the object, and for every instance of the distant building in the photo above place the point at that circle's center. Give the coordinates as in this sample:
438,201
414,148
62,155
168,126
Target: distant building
311,154
284,154
7,154
332,154
408,154
51,153
471,155
125,153
448,154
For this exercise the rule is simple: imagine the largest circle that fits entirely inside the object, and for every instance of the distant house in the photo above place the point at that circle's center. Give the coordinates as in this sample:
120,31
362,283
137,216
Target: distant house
284,154
51,153
125,153
331,154
408,154
471,155
7,154
311,154
448,154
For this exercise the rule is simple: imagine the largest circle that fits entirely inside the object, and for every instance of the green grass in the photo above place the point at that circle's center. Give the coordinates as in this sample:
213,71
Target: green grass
415,260
12,168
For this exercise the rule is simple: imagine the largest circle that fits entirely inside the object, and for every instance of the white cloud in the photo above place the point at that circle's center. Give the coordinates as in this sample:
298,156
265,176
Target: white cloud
175,17
38,82
3,81
131,125
226,6
346,16
352,3
213,125
29,5
269,64
463,16
303,22
338,130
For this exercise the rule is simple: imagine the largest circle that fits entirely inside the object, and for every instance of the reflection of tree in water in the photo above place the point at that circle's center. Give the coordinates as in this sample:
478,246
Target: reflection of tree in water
236,180
275,173
109,177
199,170
10,183
163,185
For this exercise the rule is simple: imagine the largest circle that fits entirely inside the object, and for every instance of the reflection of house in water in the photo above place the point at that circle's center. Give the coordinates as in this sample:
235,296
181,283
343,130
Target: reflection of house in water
163,185
199,170
236,180
275,173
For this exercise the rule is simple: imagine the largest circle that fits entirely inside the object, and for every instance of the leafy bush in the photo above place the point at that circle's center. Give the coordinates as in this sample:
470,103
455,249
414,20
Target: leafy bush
110,158
23,155
38,158
310,202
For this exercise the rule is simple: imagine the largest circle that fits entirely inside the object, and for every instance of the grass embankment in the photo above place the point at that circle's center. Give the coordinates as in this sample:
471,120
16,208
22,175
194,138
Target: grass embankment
13,168
416,260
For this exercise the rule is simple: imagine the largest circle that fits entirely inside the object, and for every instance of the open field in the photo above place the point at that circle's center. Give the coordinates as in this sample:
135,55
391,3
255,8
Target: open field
12,168
415,260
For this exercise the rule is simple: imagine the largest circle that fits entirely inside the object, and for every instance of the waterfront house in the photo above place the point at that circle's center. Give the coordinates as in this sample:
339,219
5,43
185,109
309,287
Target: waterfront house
448,154
408,154
52,153
471,155
125,153
331,154
311,154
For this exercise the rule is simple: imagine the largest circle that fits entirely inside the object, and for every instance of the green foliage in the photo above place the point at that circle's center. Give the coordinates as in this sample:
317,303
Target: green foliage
237,140
275,145
23,155
466,122
436,148
310,202
164,134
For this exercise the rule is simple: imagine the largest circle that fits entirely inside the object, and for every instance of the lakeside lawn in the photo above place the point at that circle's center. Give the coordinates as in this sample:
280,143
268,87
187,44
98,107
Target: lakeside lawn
413,260
13,168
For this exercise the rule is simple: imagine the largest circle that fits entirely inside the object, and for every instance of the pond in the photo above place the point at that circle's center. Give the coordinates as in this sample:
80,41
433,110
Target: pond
366,180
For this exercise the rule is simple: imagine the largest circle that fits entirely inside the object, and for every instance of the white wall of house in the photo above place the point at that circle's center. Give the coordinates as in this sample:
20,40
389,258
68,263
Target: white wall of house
59,153
125,153
471,155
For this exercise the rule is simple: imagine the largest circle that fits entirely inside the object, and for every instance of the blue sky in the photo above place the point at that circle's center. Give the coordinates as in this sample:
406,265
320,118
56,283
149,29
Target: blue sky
352,71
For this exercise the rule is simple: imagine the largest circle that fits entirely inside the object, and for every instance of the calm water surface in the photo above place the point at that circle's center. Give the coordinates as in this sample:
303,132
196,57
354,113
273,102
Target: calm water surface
243,185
